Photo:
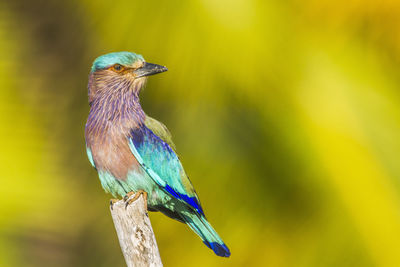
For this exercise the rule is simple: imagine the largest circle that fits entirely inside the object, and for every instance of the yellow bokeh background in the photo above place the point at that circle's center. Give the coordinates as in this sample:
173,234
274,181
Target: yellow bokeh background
286,116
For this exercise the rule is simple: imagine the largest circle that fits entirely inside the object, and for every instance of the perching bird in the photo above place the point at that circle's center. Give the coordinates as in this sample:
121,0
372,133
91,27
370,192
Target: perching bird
134,153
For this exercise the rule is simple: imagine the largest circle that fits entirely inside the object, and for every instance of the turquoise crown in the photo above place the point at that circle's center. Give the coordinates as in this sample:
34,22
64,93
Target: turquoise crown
123,58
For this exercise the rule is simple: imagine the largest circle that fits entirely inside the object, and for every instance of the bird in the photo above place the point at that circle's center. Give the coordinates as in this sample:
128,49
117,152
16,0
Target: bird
132,152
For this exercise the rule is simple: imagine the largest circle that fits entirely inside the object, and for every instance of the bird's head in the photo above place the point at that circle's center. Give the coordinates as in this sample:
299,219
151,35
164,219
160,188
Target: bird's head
120,71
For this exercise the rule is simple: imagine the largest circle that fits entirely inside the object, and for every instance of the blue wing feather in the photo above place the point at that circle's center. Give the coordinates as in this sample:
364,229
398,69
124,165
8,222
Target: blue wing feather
161,163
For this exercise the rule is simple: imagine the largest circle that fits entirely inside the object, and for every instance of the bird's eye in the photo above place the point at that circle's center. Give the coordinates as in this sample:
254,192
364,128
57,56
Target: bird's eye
117,68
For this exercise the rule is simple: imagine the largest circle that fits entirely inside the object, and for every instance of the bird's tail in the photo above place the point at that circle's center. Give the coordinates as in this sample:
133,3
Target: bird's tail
202,228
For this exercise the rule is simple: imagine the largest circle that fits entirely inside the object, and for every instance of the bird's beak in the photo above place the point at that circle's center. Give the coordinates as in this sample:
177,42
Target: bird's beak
149,69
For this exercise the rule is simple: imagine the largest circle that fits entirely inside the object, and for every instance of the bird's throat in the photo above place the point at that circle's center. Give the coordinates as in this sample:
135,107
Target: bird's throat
115,106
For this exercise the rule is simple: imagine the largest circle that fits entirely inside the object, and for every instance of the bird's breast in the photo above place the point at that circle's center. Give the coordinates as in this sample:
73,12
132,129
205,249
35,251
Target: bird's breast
111,153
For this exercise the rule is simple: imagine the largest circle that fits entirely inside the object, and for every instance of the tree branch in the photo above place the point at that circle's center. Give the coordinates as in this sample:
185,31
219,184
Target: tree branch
136,237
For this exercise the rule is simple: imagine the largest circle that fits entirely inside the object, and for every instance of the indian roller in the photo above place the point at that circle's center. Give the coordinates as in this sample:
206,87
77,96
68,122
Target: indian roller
134,153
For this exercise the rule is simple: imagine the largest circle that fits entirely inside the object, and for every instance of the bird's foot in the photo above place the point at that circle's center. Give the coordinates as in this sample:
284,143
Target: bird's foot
112,202
137,194
128,195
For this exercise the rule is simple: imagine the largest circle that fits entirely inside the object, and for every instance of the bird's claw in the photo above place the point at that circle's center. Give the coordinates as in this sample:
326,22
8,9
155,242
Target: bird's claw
128,195
128,201
112,202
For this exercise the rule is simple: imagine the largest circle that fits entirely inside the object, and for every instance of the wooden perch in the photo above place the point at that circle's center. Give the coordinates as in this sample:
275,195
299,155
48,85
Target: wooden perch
136,237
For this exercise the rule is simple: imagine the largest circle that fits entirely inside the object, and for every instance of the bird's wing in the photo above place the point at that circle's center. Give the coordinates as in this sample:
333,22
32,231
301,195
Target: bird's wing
159,129
162,164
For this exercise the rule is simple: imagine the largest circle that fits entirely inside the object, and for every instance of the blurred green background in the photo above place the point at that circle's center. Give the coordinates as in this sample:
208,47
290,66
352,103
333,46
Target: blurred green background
286,115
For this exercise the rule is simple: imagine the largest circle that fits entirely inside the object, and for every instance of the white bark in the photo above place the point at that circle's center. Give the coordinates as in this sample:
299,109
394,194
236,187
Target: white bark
136,237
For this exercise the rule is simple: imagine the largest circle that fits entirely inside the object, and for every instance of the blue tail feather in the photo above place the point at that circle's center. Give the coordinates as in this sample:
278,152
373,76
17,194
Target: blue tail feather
210,238
219,249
